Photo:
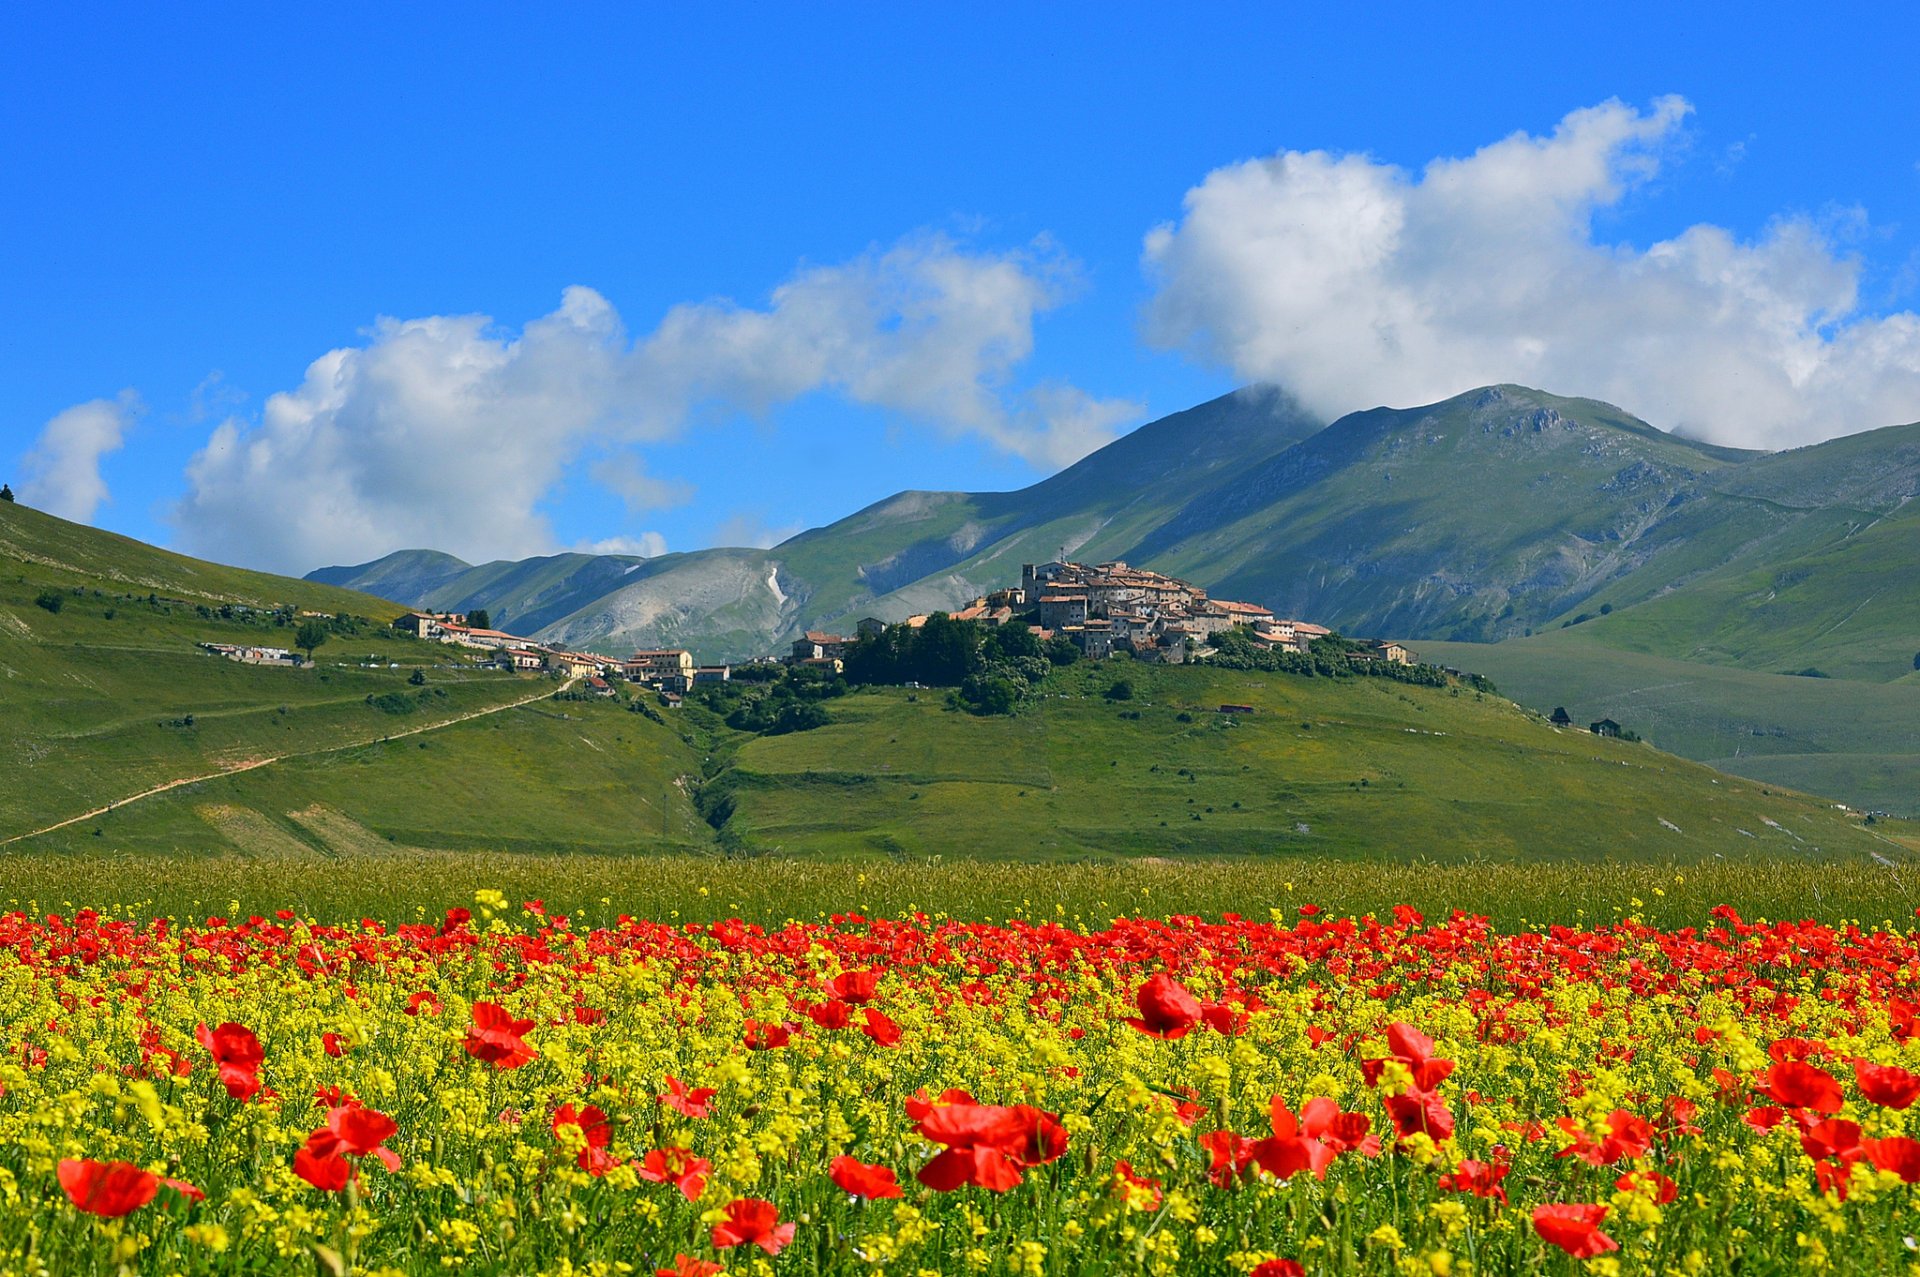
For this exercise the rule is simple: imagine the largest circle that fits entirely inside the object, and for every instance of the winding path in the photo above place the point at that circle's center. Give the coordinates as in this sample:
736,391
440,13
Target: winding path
253,763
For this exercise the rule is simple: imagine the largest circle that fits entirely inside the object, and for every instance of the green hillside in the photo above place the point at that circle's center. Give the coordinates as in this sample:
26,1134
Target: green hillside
1355,768
107,695
1856,741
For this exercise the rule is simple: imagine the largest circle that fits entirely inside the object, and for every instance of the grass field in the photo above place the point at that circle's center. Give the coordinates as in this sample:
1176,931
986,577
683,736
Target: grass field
1359,767
403,885
1856,741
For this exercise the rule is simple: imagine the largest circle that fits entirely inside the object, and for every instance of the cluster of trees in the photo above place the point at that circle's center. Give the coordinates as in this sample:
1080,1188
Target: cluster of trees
773,700
991,669
1330,657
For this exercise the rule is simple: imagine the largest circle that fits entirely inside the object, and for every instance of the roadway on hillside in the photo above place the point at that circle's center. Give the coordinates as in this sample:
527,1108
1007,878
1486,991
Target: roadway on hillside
253,763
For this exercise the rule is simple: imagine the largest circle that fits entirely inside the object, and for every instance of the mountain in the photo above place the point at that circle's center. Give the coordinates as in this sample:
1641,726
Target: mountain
1497,513
126,738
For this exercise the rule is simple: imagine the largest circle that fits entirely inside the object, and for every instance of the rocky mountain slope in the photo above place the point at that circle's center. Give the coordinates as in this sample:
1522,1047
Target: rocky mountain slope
1492,515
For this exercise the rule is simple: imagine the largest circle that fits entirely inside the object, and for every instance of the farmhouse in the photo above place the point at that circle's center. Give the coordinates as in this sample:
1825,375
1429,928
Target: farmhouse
1605,727
520,658
668,669
817,645
250,655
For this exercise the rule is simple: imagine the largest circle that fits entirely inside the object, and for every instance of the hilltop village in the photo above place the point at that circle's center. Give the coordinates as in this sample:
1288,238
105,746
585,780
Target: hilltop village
1100,608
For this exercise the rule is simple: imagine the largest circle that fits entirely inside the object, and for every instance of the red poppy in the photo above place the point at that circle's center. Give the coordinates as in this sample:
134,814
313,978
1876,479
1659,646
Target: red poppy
1225,1019
1322,1119
988,1144
1835,1139
1413,1049
1897,1153
1652,1183
766,1037
1764,1118
751,1221
1420,1111
918,1105
1627,1136
1575,1228
676,1166
694,1102
594,1158
856,1177
1278,1268
425,1000
497,1038
1887,1085
109,1189
880,1028
1288,1150
1482,1179
1228,1155
1124,1173
855,986
688,1266
1797,1084
333,1044
352,1130
1167,1010
237,1053
831,1015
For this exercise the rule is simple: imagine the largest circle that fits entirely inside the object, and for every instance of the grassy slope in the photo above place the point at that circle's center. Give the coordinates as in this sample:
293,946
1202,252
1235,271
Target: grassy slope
548,777
1859,742
1446,776
96,704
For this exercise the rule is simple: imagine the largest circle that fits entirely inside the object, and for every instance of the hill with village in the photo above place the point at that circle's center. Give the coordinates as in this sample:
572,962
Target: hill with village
1619,561
158,704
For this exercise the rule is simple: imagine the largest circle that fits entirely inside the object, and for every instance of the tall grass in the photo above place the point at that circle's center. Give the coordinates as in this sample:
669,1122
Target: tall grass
771,890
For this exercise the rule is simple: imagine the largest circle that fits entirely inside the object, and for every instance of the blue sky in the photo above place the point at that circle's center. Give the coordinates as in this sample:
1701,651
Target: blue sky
821,254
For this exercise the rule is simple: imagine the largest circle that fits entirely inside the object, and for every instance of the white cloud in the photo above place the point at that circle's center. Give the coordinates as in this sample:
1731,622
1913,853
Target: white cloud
61,472
648,545
625,475
750,528
1355,283
447,432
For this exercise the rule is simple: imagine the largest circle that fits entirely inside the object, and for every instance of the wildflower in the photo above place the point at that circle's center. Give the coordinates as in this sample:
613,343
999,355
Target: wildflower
1651,1184
676,1166
352,1130
861,1180
1143,1192
497,1038
855,986
1288,1150
1167,1010
1897,1153
1574,1228
751,1221
1278,1268
1887,1085
1482,1179
1627,1136
1797,1084
1414,1050
988,1144
881,1029
766,1037
694,1102
594,1130
688,1266
238,1055
1228,1155
1420,1112
334,1045
109,1189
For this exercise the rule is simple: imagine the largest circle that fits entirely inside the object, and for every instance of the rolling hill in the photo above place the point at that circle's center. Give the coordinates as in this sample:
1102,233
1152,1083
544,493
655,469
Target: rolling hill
128,740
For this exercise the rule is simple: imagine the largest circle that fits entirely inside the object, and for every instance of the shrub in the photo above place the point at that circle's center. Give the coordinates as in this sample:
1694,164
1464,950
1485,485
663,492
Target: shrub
52,600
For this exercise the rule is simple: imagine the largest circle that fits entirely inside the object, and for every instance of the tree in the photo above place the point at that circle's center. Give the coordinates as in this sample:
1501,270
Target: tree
52,600
6,494
417,678
479,620
311,634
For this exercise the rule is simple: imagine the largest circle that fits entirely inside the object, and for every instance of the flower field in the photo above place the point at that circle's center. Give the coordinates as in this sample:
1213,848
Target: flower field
503,1090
